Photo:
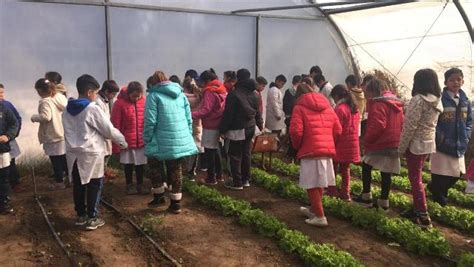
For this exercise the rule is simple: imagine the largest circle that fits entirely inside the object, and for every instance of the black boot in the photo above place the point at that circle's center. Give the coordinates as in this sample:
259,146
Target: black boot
158,200
5,207
175,206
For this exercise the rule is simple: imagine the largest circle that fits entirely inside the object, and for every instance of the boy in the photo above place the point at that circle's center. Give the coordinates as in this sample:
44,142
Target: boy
325,88
85,129
14,176
452,137
104,99
8,131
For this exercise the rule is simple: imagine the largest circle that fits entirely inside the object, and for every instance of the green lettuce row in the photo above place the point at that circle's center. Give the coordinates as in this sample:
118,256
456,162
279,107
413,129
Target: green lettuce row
466,260
426,177
398,229
291,241
462,219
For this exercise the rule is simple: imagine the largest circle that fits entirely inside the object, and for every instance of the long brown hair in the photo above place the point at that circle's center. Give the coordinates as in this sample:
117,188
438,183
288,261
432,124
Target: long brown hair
303,89
340,91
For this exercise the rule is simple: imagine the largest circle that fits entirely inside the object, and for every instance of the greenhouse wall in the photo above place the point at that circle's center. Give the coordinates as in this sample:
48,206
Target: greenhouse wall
129,40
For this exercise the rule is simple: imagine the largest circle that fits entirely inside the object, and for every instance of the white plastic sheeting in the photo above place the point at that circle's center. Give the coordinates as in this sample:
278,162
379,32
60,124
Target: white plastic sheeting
35,38
144,41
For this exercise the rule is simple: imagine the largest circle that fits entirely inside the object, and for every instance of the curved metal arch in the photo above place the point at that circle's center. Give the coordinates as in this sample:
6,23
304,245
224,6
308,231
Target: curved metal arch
465,18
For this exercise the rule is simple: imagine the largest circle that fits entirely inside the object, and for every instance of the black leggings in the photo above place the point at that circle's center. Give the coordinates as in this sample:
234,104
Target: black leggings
367,180
128,169
59,167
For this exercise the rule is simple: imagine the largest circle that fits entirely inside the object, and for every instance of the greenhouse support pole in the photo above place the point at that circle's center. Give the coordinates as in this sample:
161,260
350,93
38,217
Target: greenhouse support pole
465,18
108,41
257,44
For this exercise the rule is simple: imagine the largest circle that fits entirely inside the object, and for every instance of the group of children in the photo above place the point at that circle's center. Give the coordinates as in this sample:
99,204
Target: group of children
174,128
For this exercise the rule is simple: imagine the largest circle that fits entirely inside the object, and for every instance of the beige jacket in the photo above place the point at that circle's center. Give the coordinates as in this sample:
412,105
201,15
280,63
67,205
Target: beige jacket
360,101
419,127
50,110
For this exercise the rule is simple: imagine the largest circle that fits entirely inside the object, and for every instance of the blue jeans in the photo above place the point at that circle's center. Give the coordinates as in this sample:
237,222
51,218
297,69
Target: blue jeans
86,194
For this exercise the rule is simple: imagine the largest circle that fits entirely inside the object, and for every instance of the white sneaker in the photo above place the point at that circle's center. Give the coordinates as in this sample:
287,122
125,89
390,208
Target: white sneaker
470,187
94,223
316,221
81,220
307,212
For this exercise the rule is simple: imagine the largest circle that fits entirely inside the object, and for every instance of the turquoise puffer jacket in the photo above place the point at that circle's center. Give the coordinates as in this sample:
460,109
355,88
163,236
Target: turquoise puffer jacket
168,124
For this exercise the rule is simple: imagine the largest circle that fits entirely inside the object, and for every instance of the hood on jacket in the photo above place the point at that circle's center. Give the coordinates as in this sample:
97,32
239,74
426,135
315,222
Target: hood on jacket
390,100
215,86
60,88
434,101
76,106
60,101
123,93
248,84
168,88
358,93
313,101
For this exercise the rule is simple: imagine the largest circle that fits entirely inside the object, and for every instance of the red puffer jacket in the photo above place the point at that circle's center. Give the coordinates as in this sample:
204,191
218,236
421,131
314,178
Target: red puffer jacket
314,126
128,118
347,145
384,123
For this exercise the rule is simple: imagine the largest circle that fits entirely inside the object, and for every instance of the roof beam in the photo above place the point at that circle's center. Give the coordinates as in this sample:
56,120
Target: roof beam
275,8
465,18
366,6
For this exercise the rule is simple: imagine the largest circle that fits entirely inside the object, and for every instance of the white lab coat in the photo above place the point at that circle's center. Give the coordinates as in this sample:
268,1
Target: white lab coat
275,118
85,136
105,107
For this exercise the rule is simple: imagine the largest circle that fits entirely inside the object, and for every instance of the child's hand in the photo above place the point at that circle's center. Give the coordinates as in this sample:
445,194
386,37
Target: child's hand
35,118
3,139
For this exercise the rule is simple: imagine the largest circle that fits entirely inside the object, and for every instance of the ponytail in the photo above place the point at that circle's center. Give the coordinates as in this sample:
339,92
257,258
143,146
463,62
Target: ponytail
340,92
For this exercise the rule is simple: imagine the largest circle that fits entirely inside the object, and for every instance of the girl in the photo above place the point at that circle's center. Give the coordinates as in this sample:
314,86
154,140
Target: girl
193,94
56,78
168,137
288,103
51,131
347,146
314,127
230,79
275,118
381,140
210,112
452,137
418,137
127,116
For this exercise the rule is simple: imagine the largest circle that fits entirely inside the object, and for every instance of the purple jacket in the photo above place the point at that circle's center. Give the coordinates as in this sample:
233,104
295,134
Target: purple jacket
212,105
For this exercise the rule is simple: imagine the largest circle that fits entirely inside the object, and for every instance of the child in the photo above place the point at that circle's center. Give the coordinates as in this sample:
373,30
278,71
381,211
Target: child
313,71
452,137
314,127
241,116
175,79
381,140
85,128
104,98
261,84
230,79
51,132
56,78
418,137
8,131
193,94
470,178
275,119
14,175
288,103
352,83
325,87
210,112
347,145
168,137
127,116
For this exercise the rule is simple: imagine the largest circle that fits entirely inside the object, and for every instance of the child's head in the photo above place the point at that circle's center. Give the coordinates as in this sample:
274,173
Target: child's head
315,70
190,86
110,89
2,92
352,81
156,78
367,78
191,73
53,77
87,87
426,82
148,82
340,92
44,87
319,80
261,83
243,74
230,75
309,81
134,91
375,88
296,80
280,81
454,79
206,77
175,79
302,89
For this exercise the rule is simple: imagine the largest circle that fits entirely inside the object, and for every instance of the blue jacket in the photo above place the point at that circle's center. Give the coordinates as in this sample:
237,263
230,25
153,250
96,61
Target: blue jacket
168,129
8,126
10,106
453,130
